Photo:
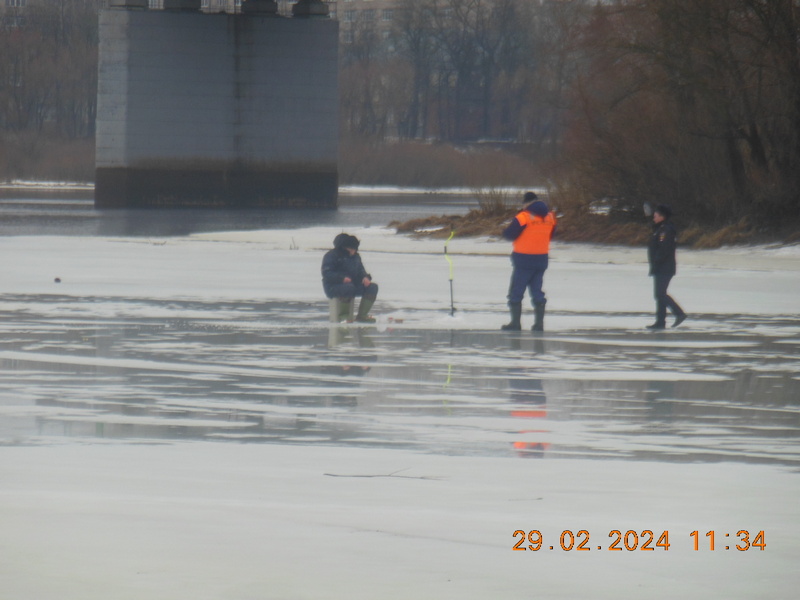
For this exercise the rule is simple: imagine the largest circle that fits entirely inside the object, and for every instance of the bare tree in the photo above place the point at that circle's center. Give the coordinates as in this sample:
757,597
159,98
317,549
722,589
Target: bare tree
363,81
416,45
693,103
49,66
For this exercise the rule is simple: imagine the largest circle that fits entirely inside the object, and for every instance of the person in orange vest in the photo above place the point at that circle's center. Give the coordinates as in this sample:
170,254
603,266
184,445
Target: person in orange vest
531,231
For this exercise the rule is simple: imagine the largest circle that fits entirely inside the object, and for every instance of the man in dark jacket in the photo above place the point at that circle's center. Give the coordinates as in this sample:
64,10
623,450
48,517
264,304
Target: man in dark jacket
344,276
661,254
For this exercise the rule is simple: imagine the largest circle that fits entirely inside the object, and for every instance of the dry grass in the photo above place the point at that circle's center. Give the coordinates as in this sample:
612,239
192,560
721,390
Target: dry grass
588,228
577,222
421,164
793,237
476,222
494,199
703,238
33,156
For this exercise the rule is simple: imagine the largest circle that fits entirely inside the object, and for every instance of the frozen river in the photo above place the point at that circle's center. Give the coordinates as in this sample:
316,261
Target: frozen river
179,420
259,372
73,213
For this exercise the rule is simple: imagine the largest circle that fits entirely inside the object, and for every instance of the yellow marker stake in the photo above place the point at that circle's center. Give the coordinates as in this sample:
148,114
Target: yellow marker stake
450,262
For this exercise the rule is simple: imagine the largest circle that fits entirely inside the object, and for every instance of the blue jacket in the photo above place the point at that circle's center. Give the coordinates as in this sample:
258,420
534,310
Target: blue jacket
338,264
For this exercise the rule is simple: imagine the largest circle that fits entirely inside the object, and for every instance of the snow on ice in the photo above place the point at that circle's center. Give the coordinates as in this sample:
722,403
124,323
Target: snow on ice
179,420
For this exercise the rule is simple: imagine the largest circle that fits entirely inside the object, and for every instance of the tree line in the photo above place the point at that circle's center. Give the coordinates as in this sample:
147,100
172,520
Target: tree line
691,103
48,68
48,88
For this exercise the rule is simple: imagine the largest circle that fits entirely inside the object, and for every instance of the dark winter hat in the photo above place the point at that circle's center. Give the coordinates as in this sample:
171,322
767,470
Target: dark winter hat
664,210
529,197
539,209
351,242
339,240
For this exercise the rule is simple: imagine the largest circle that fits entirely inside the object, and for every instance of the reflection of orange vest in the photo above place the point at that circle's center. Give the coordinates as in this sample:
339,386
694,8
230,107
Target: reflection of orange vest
535,238
525,446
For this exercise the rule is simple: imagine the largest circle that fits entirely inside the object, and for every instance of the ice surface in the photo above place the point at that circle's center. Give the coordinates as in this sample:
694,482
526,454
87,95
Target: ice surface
179,420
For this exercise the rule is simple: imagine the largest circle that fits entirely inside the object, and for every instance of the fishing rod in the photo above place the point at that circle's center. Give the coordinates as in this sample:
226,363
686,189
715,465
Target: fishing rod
450,262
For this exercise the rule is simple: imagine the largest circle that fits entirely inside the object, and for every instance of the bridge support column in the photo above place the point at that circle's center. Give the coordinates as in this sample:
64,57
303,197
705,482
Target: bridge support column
221,110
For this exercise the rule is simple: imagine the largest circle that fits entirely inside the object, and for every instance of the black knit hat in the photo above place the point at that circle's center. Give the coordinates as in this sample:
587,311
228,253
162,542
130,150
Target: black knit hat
529,197
339,240
664,210
351,242
345,240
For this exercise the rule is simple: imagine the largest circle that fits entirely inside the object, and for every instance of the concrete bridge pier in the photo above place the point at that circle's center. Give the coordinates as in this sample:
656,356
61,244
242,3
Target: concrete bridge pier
219,110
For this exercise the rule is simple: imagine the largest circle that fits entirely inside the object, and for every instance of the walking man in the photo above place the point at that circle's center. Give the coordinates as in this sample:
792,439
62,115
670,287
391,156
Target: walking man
344,276
661,255
531,231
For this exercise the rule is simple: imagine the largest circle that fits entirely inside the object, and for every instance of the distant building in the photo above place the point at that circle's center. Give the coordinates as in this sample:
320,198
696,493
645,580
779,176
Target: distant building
12,13
354,15
213,6
359,14
209,6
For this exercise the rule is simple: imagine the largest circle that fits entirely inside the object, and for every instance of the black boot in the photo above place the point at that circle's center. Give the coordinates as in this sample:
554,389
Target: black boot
661,315
345,309
364,306
515,308
538,311
680,316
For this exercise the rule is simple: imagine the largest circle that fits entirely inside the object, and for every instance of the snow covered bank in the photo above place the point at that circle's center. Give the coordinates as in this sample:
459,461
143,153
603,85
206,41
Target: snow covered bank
284,265
178,420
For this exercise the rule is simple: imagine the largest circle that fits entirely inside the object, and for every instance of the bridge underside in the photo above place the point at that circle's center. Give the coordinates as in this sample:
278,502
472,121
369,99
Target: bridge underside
234,187
216,110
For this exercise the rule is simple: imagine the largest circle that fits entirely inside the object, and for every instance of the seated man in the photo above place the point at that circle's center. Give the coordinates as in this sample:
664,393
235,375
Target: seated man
344,276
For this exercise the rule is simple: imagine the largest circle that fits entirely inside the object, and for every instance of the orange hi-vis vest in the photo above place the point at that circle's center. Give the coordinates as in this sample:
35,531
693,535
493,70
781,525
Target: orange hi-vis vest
535,237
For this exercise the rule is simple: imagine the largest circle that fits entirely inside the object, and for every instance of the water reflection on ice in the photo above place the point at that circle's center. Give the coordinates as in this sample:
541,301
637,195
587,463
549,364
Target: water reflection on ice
728,392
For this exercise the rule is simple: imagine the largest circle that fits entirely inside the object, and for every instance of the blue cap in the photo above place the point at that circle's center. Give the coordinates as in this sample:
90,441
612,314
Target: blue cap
538,208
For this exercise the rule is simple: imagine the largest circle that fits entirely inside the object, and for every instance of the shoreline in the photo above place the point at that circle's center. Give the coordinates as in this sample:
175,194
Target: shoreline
478,224
382,240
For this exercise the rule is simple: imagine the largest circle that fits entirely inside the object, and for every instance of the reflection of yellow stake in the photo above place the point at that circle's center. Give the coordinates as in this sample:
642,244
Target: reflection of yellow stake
452,311
450,262
445,386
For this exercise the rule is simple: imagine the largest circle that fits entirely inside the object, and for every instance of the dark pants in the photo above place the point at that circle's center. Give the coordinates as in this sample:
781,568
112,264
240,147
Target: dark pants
528,273
664,300
351,290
